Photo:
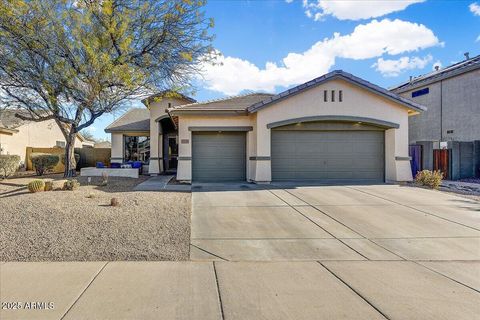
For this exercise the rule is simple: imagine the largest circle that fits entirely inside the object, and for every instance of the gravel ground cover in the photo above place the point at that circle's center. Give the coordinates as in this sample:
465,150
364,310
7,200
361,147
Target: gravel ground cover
81,225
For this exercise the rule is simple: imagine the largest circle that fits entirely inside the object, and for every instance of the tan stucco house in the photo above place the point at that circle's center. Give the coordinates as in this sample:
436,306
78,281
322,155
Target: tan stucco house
337,127
16,135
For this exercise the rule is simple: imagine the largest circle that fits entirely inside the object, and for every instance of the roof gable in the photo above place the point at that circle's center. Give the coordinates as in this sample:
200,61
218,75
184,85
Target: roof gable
137,119
337,74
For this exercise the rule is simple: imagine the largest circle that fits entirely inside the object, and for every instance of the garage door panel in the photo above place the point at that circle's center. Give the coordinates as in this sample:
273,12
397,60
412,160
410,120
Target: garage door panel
218,156
328,155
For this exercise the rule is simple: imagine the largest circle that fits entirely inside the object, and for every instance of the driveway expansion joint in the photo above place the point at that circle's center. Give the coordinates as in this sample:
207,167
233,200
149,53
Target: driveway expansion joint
218,290
355,291
413,208
317,223
206,251
444,275
84,290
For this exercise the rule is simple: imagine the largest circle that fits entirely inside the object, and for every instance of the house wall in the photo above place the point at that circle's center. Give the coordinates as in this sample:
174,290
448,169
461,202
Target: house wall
43,134
356,102
453,104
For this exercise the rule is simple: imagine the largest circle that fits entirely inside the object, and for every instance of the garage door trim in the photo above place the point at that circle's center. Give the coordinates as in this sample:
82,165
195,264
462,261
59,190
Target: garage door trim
371,121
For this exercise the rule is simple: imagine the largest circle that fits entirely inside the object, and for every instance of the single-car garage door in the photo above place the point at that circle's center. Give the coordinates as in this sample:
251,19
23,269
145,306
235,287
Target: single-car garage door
218,156
328,155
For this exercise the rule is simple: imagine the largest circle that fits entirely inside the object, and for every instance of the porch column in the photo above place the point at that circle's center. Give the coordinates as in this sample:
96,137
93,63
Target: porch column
262,158
397,161
117,148
155,165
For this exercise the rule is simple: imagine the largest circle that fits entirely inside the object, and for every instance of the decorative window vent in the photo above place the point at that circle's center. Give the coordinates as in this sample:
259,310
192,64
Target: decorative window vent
60,144
449,131
340,96
421,92
325,95
333,95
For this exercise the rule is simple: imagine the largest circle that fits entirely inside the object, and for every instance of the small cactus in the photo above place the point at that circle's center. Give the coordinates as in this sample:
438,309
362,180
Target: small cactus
114,202
48,186
71,185
36,185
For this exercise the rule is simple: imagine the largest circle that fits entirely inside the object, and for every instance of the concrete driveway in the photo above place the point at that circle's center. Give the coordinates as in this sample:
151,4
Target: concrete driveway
321,223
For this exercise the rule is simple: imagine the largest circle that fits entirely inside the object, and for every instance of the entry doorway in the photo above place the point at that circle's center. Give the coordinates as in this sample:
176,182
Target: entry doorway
170,152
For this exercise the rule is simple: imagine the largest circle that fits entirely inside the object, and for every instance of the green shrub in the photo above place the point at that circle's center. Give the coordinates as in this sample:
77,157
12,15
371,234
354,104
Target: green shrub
8,165
43,162
36,185
71,185
432,179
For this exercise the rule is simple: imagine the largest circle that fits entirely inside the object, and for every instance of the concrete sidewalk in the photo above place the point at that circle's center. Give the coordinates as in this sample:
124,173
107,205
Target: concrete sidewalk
242,290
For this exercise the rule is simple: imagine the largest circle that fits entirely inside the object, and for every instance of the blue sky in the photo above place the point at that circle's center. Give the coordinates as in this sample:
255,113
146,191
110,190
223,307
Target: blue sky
273,45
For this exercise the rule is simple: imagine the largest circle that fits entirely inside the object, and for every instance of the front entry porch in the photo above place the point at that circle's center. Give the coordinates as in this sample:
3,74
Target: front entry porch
163,146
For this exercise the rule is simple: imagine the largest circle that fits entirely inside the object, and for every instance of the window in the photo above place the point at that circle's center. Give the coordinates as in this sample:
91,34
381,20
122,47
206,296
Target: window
60,144
137,148
325,95
421,92
333,95
340,96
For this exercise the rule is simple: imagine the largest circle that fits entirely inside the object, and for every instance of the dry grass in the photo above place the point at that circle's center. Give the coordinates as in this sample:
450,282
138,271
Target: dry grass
82,226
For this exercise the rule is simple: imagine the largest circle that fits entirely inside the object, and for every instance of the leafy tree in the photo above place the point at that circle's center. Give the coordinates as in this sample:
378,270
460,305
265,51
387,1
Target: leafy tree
75,60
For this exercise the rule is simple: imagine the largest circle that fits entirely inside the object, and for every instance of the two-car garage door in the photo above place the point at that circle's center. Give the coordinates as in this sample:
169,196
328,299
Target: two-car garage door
328,155
295,155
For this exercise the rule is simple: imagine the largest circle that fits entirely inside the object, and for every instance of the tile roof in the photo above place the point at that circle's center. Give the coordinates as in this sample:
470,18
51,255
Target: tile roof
137,119
230,104
333,75
434,76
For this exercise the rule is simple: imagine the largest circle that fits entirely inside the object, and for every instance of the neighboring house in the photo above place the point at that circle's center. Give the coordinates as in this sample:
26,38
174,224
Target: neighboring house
16,135
452,97
337,127
102,144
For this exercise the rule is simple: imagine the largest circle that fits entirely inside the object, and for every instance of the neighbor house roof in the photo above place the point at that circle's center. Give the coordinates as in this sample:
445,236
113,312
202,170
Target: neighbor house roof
167,94
337,74
137,119
236,104
103,144
440,74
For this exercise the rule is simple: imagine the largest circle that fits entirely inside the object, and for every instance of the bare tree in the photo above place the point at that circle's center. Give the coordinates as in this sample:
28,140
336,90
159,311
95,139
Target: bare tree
73,61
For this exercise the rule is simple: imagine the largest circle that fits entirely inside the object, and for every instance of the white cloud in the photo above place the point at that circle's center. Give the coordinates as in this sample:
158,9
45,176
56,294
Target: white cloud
354,9
475,8
478,39
374,39
392,68
288,1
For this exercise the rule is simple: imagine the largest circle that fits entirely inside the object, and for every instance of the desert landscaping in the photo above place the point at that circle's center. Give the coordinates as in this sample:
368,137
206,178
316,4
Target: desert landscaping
81,225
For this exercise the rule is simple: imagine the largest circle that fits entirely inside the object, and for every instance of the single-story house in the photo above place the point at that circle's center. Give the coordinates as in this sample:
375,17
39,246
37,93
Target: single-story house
337,127
16,135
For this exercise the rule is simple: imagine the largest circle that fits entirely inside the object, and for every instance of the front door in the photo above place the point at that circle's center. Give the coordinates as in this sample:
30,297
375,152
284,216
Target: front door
170,151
